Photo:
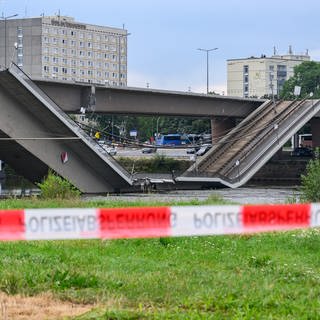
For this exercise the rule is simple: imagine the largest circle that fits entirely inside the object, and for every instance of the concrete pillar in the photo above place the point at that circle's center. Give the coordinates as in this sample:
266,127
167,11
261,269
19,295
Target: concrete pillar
220,127
315,130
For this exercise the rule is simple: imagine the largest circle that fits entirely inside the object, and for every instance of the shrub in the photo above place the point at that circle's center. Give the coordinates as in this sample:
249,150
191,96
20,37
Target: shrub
310,188
55,187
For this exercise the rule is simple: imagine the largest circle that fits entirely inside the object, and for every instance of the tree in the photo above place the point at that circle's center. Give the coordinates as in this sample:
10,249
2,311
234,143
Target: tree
307,76
310,182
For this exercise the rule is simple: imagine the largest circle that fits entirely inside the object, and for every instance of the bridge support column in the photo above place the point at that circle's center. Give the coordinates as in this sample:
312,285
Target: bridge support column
315,130
220,126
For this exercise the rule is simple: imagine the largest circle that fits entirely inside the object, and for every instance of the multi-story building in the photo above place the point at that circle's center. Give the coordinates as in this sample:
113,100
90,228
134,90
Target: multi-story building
60,48
264,76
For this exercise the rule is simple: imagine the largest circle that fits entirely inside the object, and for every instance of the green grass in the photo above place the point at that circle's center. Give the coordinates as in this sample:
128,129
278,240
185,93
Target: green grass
266,276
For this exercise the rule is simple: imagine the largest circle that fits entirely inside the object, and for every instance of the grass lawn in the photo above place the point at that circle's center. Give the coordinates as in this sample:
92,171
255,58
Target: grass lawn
266,276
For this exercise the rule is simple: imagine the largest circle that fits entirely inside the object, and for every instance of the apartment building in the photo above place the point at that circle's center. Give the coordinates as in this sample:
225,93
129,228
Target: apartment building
261,76
60,48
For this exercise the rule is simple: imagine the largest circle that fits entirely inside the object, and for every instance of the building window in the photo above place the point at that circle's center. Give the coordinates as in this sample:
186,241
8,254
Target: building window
46,69
246,91
73,33
20,61
55,69
246,69
20,32
64,70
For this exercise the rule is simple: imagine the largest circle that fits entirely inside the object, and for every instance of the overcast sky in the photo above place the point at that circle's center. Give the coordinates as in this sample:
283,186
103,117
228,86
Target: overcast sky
165,35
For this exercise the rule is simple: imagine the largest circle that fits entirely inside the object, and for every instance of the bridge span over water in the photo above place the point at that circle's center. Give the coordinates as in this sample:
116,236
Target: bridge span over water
36,133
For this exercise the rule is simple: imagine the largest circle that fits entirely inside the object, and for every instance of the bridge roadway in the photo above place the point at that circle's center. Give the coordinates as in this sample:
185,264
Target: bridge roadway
36,134
70,96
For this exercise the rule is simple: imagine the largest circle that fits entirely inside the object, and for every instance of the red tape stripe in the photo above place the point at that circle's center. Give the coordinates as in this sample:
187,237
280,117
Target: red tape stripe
135,222
12,225
275,217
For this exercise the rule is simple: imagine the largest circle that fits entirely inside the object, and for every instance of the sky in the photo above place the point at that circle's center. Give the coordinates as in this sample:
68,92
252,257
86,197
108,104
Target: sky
165,34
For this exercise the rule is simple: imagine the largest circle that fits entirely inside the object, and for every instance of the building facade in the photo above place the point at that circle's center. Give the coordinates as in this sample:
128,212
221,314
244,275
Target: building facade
259,77
62,49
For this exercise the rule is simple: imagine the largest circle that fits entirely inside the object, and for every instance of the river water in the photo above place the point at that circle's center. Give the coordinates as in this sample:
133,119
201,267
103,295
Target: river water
244,195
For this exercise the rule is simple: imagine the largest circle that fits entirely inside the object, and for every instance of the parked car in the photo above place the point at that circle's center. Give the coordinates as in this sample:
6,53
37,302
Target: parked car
204,148
111,150
149,150
193,150
302,152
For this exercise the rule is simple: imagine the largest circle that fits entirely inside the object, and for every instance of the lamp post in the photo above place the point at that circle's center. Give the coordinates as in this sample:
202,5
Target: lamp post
5,35
207,52
119,52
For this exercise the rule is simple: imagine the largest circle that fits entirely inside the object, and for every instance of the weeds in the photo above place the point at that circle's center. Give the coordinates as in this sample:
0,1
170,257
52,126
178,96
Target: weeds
55,187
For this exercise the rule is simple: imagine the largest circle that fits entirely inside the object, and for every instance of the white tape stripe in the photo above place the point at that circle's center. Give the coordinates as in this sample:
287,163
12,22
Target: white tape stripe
205,220
61,224
315,215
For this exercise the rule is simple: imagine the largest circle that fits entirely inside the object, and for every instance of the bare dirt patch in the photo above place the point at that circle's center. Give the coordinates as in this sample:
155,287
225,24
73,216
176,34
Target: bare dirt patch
43,306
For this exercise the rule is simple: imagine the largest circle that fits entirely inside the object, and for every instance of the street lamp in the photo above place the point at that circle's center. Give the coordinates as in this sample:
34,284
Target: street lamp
207,52
119,52
5,35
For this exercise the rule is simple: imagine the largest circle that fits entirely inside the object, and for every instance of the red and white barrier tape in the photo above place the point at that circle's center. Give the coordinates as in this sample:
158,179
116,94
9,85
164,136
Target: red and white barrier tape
45,224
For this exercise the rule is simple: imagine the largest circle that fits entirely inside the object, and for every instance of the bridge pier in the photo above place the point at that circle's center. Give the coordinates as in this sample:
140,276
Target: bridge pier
220,126
315,130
